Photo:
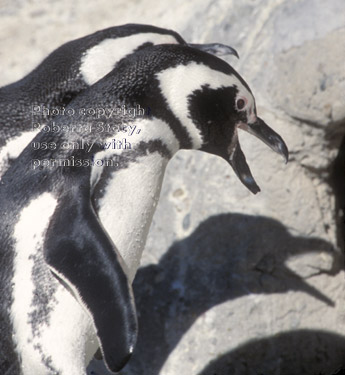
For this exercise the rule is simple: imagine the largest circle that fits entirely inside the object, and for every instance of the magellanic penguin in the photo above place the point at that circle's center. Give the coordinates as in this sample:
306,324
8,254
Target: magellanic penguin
27,104
75,215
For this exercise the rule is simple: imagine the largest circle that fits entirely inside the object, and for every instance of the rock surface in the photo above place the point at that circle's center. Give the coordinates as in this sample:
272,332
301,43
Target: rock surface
232,283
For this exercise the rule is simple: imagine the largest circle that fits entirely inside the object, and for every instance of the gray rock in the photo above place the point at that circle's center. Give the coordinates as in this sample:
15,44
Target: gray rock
232,283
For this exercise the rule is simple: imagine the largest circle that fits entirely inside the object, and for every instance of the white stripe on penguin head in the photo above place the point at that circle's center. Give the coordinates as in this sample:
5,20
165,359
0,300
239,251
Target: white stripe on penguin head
102,58
179,82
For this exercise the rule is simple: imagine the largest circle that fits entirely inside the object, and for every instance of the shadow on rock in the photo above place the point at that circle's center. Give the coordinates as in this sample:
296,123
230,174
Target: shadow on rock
227,256
306,352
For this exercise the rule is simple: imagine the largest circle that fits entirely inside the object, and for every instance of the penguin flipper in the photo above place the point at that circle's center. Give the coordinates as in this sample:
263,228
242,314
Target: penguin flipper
78,251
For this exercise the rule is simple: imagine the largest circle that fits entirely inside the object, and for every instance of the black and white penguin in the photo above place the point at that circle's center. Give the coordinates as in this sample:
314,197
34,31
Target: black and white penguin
75,215
67,71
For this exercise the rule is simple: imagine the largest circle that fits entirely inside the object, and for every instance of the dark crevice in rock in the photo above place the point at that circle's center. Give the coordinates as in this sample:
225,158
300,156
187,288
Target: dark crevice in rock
334,135
337,182
322,173
304,121
334,175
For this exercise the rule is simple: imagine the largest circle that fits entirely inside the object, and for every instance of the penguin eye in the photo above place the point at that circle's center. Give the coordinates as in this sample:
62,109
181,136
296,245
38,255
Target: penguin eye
240,103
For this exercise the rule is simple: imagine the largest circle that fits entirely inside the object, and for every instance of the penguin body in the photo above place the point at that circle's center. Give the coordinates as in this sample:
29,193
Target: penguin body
76,218
27,104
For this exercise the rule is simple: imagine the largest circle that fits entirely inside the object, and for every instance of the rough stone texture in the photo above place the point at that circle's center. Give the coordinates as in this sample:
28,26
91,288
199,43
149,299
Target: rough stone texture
232,283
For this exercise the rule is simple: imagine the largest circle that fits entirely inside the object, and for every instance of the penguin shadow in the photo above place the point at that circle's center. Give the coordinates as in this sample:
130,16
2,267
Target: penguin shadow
226,257
307,352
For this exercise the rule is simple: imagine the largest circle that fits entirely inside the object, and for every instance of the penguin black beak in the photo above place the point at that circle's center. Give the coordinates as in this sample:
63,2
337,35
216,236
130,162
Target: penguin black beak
239,164
216,49
236,156
272,139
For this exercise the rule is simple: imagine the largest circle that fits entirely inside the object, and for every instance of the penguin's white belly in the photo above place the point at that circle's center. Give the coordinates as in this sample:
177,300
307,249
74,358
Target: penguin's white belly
128,204
52,332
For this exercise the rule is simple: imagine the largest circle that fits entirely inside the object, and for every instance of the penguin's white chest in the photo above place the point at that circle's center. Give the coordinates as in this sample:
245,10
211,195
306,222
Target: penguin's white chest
44,313
128,204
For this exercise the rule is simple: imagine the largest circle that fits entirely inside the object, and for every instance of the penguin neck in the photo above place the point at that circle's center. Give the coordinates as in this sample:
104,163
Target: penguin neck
127,206
126,198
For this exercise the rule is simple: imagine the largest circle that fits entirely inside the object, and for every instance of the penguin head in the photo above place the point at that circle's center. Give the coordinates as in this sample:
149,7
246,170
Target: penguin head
93,56
219,112
79,63
200,97
111,45
212,101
